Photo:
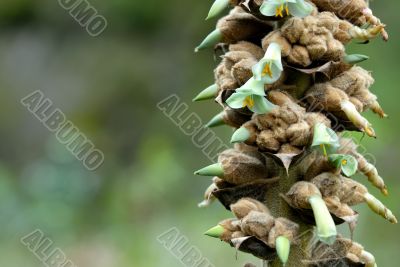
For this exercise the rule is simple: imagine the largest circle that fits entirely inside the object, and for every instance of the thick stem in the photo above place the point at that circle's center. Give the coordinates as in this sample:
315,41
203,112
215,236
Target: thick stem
279,208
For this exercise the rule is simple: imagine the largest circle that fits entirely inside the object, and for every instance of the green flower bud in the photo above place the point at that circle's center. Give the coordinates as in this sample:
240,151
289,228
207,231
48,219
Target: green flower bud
354,59
325,225
282,245
216,231
208,93
376,206
211,40
217,8
217,120
211,170
240,135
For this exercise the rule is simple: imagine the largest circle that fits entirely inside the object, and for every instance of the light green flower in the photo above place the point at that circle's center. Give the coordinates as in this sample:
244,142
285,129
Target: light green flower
252,96
277,8
325,138
270,68
347,163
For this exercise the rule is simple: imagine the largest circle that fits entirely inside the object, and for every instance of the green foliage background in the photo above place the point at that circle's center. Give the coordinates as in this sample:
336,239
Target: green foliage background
109,87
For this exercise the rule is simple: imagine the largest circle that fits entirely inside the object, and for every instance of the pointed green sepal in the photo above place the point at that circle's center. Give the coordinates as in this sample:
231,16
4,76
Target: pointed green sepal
211,170
354,59
211,40
217,120
217,8
282,245
208,93
240,135
326,228
216,231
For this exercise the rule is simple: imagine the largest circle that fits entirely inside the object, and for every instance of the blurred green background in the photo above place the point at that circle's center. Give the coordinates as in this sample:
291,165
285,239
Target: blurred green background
109,87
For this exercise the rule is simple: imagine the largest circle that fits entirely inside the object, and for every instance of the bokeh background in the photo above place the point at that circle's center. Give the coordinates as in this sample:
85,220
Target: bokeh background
109,87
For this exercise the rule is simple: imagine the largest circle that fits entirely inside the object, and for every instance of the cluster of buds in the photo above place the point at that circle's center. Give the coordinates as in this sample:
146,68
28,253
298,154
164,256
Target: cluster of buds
254,221
346,96
284,82
350,253
287,129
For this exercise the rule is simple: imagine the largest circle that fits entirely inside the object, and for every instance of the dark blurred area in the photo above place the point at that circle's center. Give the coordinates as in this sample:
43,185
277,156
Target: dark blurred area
109,87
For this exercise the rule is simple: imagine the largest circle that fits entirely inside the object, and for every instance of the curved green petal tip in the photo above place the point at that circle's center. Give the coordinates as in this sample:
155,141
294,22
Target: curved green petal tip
211,170
216,231
282,245
240,135
326,228
216,121
211,40
355,58
208,93
217,8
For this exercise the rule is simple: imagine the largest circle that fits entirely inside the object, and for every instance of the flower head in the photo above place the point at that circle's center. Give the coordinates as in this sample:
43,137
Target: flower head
346,163
269,69
277,8
325,138
252,96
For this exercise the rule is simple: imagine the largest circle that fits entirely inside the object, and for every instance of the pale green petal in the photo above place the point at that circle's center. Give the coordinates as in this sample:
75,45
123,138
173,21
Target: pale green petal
257,69
268,9
276,74
273,52
324,136
236,100
252,86
300,8
278,64
265,78
261,105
